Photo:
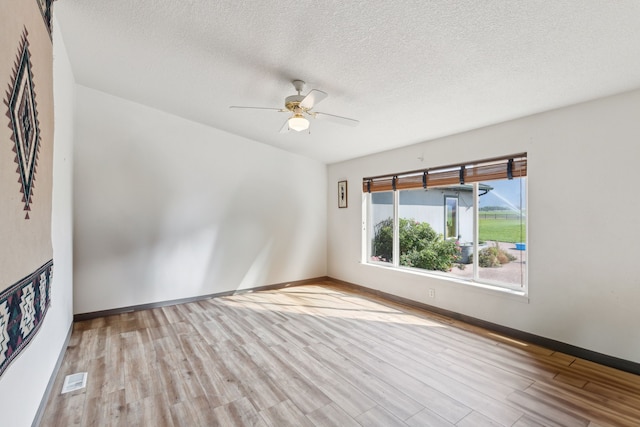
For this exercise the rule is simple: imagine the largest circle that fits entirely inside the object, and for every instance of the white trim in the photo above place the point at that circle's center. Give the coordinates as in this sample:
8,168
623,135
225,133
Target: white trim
485,288
365,252
396,229
476,230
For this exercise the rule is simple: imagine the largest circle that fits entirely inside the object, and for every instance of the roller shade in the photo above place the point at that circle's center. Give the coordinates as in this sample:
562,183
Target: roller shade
507,167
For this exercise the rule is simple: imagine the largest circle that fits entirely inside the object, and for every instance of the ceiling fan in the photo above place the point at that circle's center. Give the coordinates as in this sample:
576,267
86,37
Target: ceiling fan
301,107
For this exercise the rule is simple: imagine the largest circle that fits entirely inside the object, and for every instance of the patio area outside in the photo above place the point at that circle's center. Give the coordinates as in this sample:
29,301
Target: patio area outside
511,272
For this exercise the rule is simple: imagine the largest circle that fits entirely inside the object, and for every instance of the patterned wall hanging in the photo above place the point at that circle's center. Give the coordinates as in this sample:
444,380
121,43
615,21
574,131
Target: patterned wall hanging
22,308
23,115
26,163
45,10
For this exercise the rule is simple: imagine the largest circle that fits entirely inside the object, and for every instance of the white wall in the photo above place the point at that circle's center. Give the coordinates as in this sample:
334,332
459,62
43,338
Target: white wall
166,208
22,386
584,286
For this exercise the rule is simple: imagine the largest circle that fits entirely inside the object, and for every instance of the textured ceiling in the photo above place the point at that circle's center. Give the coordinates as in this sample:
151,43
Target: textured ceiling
410,71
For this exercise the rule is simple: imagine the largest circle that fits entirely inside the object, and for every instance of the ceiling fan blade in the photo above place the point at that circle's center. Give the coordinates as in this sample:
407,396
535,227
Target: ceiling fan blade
336,119
313,98
258,108
285,127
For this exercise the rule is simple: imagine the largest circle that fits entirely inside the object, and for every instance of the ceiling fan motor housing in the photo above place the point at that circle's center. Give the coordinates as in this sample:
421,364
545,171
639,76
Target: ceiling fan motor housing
292,102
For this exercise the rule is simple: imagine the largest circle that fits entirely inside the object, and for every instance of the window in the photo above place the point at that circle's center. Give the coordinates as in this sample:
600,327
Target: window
466,221
381,217
451,217
502,216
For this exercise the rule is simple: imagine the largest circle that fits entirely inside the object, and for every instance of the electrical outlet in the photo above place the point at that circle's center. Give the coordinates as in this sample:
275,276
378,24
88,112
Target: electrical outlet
432,293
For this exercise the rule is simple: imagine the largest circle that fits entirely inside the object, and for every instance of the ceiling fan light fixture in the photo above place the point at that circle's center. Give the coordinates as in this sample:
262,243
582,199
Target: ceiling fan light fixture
301,106
298,123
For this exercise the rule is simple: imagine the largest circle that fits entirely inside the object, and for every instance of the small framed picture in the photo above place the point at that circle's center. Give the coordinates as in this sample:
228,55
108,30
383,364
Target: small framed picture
342,194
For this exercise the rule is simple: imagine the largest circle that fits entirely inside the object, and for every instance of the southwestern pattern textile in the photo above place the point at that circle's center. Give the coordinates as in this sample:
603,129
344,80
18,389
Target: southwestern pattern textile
23,115
45,9
22,308
26,176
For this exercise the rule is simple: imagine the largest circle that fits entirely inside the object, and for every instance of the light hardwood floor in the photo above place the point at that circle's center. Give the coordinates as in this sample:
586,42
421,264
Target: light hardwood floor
324,355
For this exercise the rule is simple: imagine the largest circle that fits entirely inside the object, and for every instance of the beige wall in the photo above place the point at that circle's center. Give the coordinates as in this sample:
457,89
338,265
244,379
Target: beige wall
22,386
26,244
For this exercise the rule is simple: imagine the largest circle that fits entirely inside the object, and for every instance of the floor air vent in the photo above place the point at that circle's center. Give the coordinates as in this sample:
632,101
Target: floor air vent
74,382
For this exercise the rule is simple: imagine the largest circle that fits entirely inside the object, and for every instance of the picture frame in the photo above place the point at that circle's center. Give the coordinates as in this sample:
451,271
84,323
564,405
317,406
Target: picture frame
342,194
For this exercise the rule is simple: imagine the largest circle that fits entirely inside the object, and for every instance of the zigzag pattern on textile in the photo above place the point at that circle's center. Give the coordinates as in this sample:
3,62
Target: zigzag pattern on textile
22,111
22,310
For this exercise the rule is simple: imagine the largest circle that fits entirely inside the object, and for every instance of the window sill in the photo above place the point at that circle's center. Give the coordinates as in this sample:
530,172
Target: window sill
485,288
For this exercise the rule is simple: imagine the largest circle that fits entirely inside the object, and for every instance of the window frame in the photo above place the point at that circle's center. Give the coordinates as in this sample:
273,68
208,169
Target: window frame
475,279
455,216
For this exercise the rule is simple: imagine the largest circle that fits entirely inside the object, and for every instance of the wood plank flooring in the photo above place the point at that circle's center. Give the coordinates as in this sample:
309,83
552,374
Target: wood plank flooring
324,355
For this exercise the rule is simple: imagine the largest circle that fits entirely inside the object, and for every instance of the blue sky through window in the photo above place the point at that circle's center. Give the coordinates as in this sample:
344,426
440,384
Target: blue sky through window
505,193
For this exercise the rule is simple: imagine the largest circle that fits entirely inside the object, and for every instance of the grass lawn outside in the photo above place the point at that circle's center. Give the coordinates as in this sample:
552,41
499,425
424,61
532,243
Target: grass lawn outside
502,230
